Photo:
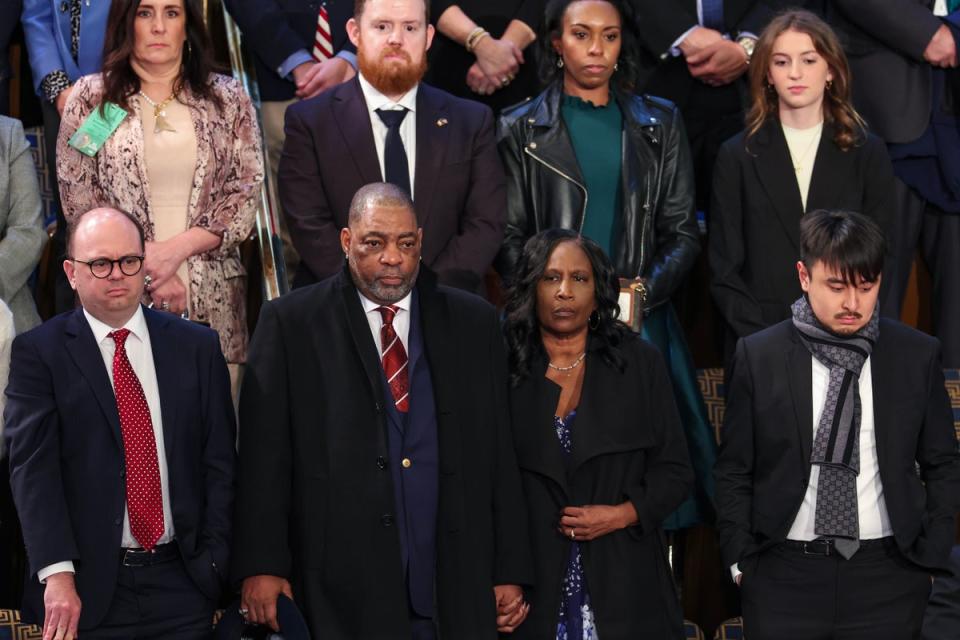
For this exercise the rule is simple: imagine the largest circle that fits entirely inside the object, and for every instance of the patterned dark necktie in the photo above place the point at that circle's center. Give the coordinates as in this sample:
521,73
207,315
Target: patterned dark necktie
144,495
394,153
394,358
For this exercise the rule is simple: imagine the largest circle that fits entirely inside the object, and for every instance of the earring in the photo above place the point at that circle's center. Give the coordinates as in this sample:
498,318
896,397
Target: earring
189,48
616,65
594,320
829,85
559,62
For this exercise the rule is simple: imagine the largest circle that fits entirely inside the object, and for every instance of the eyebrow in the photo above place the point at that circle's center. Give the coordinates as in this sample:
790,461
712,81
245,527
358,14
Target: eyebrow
586,26
802,53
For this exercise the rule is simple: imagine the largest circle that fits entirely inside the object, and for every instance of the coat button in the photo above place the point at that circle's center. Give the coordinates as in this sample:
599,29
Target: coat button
532,145
387,520
118,521
406,463
381,463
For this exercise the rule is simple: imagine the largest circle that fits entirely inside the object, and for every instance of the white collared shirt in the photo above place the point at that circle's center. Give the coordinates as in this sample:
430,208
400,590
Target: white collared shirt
408,128
872,508
140,355
401,321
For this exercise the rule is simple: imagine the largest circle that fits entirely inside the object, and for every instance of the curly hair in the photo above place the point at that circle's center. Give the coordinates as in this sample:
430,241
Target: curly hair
837,101
625,78
521,325
120,81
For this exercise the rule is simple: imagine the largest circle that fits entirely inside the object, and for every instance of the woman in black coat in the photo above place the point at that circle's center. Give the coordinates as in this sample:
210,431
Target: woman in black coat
601,452
804,148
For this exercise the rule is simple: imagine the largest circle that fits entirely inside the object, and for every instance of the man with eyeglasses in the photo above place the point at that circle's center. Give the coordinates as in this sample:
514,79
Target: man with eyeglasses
120,428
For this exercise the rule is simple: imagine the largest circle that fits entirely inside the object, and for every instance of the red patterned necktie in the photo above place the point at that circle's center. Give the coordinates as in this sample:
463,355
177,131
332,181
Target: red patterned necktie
144,495
394,358
322,42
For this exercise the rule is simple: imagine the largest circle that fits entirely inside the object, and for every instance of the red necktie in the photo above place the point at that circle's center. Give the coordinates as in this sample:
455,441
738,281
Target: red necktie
394,358
144,495
322,42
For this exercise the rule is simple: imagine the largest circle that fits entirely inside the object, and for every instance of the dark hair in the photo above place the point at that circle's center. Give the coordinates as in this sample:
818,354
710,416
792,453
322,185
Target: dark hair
521,325
359,5
120,81
625,78
378,194
838,108
849,243
75,222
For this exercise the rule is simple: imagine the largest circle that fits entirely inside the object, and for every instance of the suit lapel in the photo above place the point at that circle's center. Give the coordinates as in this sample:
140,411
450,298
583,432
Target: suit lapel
167,366
433,132
534,404
353,121
775,171
83,349
359,329
800,374
886,387
827,179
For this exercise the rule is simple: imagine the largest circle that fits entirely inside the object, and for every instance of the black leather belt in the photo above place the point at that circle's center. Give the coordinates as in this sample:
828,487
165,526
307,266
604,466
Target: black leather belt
143,558
825,546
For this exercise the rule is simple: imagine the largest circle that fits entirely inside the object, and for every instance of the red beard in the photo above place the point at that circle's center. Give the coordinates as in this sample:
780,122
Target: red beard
391,77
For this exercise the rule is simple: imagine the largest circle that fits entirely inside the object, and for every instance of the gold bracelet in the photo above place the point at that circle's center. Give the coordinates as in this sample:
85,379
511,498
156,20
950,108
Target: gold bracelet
475,36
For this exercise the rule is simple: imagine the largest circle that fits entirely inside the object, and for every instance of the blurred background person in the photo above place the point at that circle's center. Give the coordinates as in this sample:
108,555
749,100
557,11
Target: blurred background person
482,50
185,161
10,10
300,48
805,148
586,135
600,447
64,40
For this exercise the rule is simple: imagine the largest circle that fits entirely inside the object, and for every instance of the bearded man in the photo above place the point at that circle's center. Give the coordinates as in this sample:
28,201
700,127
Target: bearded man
378,485
385,125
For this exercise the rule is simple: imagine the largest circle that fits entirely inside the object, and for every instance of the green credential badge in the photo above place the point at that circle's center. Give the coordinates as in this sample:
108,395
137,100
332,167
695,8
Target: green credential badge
97,127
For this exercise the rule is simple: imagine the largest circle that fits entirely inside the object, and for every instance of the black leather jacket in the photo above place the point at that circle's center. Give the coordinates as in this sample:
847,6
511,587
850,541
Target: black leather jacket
545,187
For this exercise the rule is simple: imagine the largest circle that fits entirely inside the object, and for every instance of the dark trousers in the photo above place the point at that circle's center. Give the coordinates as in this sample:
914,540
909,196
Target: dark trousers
942,619
937,234
157,601
63,297
876,595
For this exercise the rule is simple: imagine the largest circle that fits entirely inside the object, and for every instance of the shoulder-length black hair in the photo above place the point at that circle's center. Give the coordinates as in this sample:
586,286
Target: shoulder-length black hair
625,78
521,326
120,82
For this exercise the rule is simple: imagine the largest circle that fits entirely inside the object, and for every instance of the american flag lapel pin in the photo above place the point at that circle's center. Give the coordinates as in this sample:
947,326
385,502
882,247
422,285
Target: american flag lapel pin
442,122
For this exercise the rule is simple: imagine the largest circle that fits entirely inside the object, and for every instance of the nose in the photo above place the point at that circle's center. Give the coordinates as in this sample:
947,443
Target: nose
564,290
391,255
157,24
796,69
596,46
396,35
851,300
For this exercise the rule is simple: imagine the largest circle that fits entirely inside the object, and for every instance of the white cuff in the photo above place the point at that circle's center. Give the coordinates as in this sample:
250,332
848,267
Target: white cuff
674,49
56,567
735,571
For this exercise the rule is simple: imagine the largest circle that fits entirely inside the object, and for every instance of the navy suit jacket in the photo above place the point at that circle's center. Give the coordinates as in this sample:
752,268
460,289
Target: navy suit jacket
67,460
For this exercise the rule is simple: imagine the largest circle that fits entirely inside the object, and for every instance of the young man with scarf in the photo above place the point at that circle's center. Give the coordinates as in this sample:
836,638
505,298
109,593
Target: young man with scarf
838,476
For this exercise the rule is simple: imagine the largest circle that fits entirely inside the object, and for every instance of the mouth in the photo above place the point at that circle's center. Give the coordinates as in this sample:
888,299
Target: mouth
390,281
797,89
564,312
117,292
595,68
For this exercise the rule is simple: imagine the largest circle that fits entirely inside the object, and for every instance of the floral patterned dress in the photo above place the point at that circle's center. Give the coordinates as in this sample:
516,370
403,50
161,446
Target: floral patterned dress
575,619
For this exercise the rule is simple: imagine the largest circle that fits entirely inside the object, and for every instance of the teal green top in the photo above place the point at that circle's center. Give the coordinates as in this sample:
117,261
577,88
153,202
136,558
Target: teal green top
595,133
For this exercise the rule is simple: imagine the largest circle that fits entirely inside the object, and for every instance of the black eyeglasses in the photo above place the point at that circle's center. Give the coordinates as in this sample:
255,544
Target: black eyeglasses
103,267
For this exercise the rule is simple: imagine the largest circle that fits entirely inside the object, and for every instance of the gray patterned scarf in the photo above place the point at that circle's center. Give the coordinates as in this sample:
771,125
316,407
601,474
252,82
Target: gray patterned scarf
836,447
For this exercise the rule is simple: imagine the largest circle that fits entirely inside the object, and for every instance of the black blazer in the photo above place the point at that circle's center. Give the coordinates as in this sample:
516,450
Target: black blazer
754,240
315,501
273,30
67,459
628,444
884,41
459,189
764,465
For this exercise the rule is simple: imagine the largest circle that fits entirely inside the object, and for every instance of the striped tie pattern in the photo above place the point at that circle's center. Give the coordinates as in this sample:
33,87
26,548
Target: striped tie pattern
323,42
394,358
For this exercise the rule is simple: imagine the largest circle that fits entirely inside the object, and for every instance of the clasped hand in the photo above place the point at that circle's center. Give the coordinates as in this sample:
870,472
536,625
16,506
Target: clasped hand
497,64
591,521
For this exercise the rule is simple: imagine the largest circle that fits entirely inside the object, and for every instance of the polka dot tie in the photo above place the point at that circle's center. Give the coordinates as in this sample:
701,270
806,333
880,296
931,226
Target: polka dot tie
394,359
144,495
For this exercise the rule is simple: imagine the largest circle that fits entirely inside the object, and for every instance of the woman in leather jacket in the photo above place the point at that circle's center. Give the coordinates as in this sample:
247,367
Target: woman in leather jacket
589,155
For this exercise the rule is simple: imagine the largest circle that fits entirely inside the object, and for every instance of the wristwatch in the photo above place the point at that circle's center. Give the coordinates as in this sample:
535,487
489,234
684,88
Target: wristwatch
748,43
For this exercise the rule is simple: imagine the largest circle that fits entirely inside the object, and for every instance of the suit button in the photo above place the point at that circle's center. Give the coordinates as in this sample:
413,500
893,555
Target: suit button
406,463
376,407
118,521
387,520
381,463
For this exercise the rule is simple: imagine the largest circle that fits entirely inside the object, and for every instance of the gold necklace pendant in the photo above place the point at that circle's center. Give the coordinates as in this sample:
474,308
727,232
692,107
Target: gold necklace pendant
160,113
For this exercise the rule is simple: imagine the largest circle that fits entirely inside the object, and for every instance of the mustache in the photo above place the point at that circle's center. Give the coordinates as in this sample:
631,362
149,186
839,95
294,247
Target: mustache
841,316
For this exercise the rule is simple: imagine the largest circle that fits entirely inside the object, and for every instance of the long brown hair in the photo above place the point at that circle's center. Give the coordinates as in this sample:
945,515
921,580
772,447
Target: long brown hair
120,81
849,127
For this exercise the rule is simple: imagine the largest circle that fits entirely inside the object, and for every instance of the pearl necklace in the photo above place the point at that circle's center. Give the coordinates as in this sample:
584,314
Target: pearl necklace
571,367
160,113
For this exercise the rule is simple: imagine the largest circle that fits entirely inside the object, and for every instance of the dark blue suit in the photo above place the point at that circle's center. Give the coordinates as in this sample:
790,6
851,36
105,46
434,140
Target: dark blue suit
67,458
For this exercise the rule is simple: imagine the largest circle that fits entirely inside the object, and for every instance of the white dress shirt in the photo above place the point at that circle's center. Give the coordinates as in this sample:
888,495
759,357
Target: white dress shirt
401,321
874,520
408,128
140,355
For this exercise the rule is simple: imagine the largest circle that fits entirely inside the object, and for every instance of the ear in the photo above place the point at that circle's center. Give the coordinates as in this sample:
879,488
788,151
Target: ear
353,31
70,268
430,33
804,276
345,241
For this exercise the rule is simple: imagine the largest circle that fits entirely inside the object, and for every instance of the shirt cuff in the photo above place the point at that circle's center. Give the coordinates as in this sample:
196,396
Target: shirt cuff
295,59
56,567
674,49
350,57
735,571
747,34
53,84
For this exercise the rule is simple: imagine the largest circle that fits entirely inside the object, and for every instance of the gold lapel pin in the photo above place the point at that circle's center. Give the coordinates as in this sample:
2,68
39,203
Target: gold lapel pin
442,122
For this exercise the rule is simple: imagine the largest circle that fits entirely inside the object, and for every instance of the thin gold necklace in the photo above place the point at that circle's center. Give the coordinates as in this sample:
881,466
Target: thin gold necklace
573,366
160,112
798,163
